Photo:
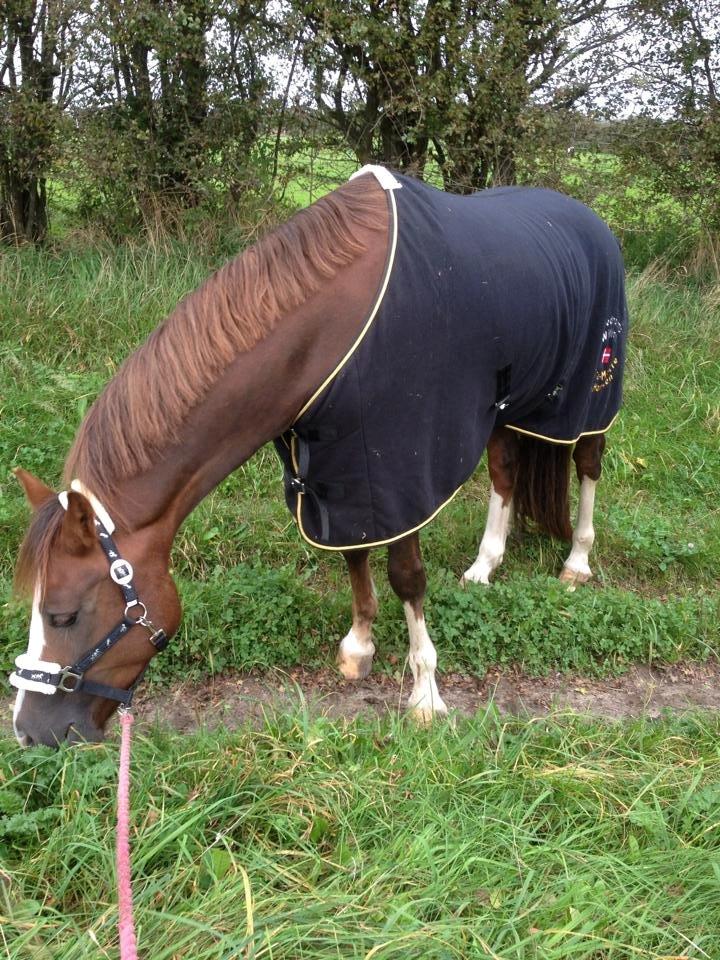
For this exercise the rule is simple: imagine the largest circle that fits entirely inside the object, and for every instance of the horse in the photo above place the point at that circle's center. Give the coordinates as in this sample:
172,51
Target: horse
383,338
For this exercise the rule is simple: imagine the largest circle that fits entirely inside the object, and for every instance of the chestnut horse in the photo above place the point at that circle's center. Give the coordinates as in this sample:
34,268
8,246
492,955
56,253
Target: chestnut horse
225,373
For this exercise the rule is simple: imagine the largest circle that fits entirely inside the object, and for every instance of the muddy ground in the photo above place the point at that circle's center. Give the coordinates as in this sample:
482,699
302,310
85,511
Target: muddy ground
233,700
236,699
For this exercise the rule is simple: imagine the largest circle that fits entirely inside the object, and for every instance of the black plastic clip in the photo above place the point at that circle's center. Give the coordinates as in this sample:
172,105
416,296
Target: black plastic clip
297,485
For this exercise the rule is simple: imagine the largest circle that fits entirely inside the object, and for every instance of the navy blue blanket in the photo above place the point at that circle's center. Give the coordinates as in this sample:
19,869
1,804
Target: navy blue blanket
503,308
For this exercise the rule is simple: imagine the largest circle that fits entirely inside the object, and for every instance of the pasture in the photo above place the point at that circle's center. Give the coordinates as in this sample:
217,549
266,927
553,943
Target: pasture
556,840
492,838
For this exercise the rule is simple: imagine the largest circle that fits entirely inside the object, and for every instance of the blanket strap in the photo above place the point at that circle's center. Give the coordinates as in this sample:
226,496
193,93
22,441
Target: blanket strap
299,484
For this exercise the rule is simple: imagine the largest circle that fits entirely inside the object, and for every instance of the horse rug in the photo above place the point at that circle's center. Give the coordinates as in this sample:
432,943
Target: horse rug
504,308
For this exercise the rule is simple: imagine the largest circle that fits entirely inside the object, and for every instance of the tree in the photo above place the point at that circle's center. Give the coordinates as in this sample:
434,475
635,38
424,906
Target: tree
174,103
502,58
396,77
374,64
674,74
38,42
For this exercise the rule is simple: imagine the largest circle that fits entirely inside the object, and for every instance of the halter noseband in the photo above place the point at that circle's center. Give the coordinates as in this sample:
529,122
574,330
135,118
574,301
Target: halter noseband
41,676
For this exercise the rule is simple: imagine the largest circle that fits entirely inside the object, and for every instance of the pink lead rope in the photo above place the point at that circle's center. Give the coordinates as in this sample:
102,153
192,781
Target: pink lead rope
126,924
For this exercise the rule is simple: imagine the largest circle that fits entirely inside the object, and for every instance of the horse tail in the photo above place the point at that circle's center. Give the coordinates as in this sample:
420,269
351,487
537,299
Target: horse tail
542,486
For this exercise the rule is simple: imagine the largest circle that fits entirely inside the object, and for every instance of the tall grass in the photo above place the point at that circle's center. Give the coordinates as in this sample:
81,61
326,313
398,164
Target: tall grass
557,839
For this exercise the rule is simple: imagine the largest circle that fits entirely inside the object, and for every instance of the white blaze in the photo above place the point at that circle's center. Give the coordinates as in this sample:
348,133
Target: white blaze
36,647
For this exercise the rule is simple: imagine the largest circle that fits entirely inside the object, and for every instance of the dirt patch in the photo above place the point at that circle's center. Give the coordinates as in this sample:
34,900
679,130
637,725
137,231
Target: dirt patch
233,700
236,699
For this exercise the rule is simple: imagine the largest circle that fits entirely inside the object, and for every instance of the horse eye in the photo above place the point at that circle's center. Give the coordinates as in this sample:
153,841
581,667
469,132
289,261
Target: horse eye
63,619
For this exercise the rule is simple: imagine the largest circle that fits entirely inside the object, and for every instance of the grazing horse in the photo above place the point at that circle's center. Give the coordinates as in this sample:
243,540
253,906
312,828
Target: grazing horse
383,338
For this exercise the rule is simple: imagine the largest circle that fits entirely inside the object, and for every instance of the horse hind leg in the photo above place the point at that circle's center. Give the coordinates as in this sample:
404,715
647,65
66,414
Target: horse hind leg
502,453
357,649
407,578
587,455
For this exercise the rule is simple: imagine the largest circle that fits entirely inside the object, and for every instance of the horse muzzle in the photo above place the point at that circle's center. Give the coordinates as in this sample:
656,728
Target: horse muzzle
40,722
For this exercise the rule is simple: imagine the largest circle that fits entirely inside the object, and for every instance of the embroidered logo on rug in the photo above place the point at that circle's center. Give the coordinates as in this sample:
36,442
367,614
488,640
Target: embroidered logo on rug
605,374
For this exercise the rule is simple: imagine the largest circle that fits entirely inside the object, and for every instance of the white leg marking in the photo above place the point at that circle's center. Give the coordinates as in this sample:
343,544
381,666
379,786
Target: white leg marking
577,567
356,653
492,546
36,648
425,700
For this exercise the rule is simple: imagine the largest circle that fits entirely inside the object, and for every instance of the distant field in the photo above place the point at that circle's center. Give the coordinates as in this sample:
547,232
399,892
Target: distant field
650,223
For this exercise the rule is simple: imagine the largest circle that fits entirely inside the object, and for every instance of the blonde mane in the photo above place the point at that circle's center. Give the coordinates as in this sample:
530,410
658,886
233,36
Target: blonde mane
141,411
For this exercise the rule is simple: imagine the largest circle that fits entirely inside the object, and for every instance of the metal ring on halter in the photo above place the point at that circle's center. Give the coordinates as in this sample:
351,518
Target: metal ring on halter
143,618
68,674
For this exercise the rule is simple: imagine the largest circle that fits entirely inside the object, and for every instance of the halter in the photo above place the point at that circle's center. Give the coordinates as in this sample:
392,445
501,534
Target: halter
41,676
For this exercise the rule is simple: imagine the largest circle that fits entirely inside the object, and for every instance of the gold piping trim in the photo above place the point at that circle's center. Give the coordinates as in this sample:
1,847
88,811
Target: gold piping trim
373,312
406,533
540,436
374,543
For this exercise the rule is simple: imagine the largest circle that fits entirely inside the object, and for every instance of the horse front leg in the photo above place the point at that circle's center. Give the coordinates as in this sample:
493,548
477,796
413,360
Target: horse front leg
356,651
587,455
407,578
502,451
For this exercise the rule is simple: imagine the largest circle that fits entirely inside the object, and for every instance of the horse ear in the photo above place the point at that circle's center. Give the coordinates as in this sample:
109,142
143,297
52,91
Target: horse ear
78,528
36,491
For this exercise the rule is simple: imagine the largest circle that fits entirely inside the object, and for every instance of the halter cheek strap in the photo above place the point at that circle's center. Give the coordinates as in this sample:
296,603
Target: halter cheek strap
42,676
98,509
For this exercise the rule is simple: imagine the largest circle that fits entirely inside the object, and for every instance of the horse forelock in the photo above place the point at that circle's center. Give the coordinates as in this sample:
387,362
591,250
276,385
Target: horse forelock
37,546
142,410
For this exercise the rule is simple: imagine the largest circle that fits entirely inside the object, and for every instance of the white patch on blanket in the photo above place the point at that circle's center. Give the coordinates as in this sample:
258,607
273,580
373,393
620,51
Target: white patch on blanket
383,176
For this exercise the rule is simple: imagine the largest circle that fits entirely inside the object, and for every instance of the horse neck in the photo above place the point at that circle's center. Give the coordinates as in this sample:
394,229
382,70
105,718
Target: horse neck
256,398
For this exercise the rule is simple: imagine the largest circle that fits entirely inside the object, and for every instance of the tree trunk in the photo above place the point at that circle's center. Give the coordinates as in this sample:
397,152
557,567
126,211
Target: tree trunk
23,209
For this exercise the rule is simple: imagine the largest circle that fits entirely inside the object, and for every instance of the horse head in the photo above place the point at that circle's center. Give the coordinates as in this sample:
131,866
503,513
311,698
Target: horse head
103,604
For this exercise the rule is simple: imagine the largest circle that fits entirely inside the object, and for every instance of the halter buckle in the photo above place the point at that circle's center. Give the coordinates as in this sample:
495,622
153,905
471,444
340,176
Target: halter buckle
67,673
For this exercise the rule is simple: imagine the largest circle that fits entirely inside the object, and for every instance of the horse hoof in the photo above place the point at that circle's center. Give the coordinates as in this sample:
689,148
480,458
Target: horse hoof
574,577
355,668
475,576
424,713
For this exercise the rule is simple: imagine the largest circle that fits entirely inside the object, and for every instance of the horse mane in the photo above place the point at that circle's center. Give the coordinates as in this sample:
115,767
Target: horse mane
141,411
37,545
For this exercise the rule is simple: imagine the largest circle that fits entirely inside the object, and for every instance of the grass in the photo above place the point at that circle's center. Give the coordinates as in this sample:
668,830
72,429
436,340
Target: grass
557,839
68,317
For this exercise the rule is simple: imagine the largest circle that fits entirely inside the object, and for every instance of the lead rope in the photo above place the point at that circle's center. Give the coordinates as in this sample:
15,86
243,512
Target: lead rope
126,924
